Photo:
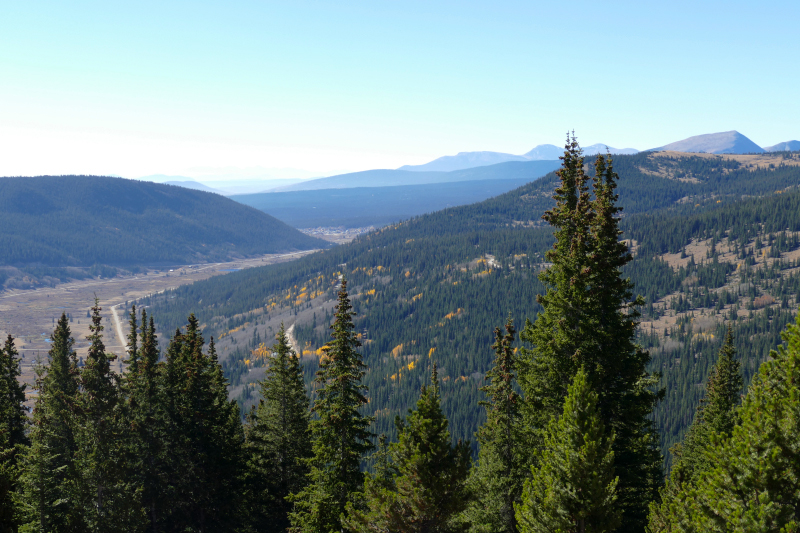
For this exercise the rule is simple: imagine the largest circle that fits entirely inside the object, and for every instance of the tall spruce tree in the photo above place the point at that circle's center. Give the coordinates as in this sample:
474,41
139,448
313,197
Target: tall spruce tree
572,488
13,438
754,478
49,465
427,489
340,432
109,501
497,477
278,438
589,320
205,440
146,417
715,419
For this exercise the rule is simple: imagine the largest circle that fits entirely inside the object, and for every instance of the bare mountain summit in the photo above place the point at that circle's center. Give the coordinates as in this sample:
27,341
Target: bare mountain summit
464,160
726,142
788,146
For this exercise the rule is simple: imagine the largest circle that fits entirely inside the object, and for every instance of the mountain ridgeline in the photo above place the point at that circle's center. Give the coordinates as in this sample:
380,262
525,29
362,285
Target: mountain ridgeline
61,221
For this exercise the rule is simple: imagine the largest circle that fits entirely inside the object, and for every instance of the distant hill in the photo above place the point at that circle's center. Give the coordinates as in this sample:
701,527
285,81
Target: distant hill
545,151
360,207
788,146
196,185
387,178
727,142
600,148
464,160
86,220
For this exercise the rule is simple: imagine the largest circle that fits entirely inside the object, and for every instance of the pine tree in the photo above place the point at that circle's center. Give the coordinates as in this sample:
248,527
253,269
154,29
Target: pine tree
589,320
562,336
715,418
205,439
49,466
279,439
13,440
754,482
496,480
627,394
109,501
340,434
146,417
425,489
573,487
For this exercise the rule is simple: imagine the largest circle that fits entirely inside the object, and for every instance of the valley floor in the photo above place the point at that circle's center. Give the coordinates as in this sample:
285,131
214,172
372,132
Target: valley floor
29,315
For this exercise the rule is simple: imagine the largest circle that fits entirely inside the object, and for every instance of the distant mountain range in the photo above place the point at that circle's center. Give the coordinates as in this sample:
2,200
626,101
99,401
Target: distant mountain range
543,152
728,142
466,166
221,186
388,178
358,207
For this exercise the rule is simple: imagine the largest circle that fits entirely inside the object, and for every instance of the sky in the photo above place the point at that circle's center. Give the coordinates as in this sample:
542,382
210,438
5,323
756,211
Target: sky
301,89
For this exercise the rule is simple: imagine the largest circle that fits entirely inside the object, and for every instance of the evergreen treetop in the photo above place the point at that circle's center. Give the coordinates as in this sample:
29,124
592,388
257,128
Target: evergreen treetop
278,436
589,320
496,478
340,432
425,488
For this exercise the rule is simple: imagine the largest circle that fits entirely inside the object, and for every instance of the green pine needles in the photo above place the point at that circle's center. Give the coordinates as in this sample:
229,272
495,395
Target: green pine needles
278,438
420,483
589,320
572,488
339,431
13,425
497,476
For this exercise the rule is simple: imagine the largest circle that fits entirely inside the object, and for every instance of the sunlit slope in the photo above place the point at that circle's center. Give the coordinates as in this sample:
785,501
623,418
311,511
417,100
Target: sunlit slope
715,240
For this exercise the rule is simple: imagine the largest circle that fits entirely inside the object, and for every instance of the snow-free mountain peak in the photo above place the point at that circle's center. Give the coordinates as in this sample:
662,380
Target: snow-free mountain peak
788,146
601,148
726,142
464,160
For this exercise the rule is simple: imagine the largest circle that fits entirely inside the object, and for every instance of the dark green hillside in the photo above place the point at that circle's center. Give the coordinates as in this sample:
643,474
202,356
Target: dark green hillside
438,284
372,206
85,220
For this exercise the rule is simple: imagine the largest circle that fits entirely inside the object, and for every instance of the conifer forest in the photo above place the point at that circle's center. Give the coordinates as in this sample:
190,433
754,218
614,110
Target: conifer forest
555,404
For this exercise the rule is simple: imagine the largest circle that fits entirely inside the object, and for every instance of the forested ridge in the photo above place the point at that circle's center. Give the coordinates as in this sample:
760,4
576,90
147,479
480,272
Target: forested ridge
63,221
438,282
567,440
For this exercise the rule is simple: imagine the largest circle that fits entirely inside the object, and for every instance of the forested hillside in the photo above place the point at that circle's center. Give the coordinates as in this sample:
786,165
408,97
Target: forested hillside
359,207
715,240
60,221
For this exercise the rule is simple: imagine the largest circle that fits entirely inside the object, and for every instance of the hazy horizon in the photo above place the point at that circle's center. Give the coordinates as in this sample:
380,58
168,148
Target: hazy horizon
322,89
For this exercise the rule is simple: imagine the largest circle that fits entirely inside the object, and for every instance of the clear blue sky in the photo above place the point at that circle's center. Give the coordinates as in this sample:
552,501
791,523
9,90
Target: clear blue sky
143,87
